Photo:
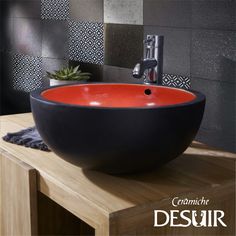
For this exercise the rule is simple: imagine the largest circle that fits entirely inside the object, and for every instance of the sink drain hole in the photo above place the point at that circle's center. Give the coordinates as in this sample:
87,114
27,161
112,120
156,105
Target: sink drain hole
148,91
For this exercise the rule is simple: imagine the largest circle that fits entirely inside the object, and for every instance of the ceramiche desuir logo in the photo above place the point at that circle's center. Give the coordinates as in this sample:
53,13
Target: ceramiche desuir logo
189,218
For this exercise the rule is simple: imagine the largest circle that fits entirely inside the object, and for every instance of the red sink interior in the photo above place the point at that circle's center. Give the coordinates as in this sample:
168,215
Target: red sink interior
117,95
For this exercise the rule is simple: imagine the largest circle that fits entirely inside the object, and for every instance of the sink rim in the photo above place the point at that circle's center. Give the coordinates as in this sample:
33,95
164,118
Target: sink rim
37,94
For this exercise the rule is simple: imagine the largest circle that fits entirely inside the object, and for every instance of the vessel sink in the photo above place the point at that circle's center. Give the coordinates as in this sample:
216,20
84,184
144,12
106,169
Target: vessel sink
117,128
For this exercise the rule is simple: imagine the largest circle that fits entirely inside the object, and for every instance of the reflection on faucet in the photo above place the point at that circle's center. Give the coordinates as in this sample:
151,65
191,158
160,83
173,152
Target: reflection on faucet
151,67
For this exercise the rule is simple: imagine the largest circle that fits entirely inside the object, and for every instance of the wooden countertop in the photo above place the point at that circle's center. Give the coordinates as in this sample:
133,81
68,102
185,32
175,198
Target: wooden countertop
94,196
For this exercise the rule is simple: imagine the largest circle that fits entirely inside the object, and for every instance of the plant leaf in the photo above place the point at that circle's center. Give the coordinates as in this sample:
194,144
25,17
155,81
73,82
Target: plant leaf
69,73
75,69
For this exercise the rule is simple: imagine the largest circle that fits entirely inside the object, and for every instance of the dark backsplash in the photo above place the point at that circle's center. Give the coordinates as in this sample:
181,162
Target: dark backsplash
105,37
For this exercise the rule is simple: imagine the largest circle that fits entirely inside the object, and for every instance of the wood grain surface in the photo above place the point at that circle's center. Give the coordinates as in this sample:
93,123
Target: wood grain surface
121,205
18,197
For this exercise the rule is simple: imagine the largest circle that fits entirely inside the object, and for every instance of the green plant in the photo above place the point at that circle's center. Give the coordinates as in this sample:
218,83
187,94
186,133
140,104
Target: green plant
69,73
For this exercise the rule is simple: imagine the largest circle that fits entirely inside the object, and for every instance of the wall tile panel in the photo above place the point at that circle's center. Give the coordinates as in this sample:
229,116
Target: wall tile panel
10,96
123,45
6,26
210,14
55,39
171,13
27,36
219,125
176,49
95,69
27,73
214,55
123,11
22,8
86,10
55,9
86,42
176,81
113,74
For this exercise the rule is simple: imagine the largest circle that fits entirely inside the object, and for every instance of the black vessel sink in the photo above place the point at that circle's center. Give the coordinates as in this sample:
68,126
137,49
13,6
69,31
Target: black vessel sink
117,128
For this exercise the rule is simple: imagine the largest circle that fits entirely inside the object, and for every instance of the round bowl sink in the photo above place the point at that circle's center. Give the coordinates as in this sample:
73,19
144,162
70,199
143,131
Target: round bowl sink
117,128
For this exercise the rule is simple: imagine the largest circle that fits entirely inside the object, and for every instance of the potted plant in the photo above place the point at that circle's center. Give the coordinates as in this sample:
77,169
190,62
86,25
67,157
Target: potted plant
68,75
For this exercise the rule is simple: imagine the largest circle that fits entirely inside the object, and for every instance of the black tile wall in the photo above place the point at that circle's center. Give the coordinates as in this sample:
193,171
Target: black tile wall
210,14
5,9
1,81
6,26
118,75
123,45
177,43
53,29
86,10
25,9
213,55
169,13
27,36
200,44
6,39
219,124
95,69
213,72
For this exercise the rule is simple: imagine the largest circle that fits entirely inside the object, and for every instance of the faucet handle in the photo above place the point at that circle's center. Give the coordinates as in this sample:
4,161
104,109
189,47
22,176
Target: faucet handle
149,63
148,40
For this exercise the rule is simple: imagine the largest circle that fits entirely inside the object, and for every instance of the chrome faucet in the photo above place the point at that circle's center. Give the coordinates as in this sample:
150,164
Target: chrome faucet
151,67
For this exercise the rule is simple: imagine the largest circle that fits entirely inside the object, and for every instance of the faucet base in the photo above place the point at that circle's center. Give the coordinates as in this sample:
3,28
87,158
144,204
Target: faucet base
148,82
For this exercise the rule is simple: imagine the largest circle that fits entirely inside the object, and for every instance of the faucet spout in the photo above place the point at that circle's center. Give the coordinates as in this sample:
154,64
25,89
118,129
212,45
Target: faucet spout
143,66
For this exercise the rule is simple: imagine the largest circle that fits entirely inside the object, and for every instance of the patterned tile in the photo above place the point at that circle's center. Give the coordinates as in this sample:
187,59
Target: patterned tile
177,81
55,9
27,73
86,42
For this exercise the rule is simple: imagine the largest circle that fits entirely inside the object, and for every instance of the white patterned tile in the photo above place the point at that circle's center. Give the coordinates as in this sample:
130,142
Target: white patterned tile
177,81
55,9
27,72
86,42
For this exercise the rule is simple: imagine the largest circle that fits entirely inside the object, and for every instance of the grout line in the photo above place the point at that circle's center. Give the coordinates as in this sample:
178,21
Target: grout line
191,28
214,80
190,49
160,26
